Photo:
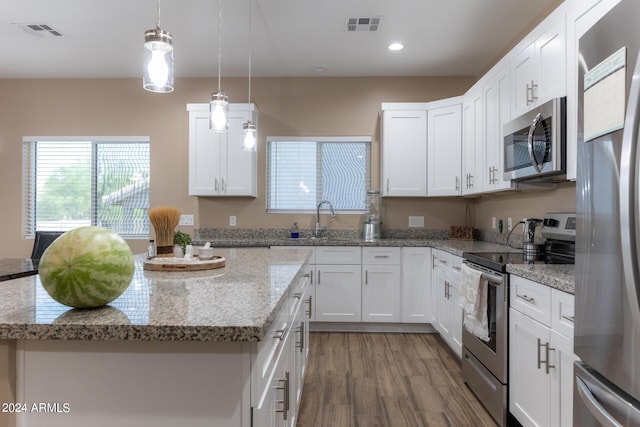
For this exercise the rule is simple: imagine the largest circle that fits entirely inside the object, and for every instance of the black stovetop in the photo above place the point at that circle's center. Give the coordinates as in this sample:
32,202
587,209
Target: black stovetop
498,260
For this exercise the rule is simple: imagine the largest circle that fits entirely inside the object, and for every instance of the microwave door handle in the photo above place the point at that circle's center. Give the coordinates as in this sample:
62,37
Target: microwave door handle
532,155
628,188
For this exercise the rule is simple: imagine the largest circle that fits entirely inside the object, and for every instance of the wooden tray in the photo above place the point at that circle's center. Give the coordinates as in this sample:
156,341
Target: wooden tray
163,264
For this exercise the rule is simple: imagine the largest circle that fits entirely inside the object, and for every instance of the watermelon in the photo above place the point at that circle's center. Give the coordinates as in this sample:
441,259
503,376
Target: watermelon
86,267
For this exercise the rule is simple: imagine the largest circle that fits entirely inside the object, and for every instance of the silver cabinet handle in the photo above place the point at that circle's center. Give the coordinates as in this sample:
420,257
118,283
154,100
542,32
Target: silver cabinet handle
300,330
545,362
569,318
456,268
296,295
433,261
318,277
387,185
280,334
285,402
525,297
311,273
446,290
308,312
381,256
224,185
531,95
443,261
366,277
215,184
457,183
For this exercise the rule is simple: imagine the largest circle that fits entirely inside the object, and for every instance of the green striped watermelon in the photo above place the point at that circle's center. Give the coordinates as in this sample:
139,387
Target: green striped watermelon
86,267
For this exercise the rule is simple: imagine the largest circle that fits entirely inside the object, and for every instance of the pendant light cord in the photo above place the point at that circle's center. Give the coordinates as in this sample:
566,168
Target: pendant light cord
249,101
219,42
158,24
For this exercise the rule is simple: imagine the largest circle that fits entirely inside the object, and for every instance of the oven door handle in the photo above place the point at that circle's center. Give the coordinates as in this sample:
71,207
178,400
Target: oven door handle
493,279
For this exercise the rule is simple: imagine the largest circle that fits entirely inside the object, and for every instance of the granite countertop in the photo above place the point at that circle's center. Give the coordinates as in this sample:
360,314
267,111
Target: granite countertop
235,303
13,268
557,276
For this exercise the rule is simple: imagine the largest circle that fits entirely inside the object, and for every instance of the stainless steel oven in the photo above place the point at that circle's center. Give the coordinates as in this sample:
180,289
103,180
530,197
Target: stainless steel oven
484,363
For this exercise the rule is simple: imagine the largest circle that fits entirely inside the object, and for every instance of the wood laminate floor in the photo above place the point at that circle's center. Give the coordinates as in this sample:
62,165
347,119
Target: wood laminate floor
370,379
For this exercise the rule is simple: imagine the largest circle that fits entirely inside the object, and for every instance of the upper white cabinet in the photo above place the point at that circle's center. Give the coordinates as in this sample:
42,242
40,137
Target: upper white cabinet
218,166
496,92
581,16
444,142
404,153
472,144
538,69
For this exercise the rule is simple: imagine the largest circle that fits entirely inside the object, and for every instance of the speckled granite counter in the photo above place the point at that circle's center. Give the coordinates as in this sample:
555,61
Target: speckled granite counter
13,268
234,303
556,276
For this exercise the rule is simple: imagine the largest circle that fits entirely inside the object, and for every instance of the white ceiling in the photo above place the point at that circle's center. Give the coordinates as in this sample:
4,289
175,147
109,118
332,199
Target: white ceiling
103,38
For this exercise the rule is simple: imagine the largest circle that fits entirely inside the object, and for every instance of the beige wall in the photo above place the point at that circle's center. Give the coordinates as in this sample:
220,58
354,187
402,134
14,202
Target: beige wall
288,106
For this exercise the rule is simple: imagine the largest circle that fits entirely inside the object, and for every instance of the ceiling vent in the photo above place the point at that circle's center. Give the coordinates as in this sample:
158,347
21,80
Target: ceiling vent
40,30
363,23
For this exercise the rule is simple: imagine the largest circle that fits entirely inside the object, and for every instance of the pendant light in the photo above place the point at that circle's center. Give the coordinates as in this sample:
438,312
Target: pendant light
249,128
219,104
158,59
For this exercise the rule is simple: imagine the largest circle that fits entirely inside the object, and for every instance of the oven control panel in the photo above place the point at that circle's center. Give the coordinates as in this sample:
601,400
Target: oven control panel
559,226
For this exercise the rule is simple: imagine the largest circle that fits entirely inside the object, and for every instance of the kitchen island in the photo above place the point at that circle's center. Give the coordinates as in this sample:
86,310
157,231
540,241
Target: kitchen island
177,348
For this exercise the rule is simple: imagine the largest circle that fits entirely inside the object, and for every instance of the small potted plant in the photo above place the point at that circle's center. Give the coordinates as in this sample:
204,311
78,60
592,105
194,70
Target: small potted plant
180,242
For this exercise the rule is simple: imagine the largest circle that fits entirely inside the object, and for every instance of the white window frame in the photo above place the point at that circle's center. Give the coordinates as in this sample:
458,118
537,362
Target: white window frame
321,139
28,175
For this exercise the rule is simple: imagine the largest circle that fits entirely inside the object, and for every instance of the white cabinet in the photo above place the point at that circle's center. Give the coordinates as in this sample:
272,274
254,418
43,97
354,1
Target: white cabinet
381,284
540,354
538,70
472,147
581,16
446,313
218,166
444,148
404,153
496,98
416,285
338,284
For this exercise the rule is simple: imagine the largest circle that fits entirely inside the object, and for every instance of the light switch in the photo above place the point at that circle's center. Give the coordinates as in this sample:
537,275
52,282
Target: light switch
186,219
416,221
232,220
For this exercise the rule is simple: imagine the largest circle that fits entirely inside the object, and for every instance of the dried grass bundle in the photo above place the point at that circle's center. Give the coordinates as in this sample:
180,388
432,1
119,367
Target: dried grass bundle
164,220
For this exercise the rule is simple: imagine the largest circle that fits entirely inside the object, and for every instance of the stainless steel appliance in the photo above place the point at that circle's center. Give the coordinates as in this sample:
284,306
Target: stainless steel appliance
485,363
530,248
607,313
535,144
373,218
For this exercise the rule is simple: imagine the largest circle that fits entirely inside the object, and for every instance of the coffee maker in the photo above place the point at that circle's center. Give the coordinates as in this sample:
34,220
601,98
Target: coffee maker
530,249
373,217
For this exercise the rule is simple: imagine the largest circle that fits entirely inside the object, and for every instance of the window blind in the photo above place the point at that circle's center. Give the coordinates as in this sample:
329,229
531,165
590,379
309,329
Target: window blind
74,183
301,172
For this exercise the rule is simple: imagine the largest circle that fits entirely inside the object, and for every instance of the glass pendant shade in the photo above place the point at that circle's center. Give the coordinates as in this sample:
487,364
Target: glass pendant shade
158,61
249,136
219,111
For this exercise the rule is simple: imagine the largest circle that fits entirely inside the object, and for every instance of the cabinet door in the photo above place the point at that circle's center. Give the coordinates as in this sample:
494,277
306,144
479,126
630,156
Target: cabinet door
443,305
338,293
444,142
381,293
523,74
550,51
562,380
404,153
416,285
239,171
455,278
472,142
497,112
204,156
529,386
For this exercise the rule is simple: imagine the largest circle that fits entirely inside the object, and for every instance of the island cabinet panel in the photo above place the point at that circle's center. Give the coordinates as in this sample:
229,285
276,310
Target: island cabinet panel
127,384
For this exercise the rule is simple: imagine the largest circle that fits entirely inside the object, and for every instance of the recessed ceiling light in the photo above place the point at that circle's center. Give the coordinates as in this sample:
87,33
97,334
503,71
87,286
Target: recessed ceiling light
396,46
318,69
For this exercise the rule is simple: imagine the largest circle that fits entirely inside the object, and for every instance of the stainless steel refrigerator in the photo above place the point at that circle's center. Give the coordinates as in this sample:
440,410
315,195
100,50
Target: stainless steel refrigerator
607,328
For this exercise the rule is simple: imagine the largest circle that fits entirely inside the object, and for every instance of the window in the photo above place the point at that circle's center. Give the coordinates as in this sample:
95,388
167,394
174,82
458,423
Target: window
69,183
301,172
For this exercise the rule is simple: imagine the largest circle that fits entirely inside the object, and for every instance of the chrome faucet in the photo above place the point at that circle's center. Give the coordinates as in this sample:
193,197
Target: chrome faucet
320,229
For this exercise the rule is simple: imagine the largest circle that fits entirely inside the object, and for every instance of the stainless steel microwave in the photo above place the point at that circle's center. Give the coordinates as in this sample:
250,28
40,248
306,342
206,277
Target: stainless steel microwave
535,144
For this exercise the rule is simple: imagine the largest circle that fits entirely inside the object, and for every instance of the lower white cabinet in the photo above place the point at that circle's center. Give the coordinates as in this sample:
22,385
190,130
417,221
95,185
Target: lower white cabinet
381,284
540,356
338,284
445,286
416,285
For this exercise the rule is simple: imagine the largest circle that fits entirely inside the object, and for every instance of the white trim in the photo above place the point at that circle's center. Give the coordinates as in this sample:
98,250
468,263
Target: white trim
102,139
319,138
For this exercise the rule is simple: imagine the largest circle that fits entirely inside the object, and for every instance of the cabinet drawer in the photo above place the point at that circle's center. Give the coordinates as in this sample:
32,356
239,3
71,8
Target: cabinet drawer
531,298
562,312
388,256
338,255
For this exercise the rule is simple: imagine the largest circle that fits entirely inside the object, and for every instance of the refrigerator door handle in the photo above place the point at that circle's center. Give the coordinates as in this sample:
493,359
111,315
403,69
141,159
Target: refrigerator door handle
594,406
629,219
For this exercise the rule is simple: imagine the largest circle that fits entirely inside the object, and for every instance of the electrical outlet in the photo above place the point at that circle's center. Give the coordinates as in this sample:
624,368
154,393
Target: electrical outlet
509,223
416,221
186,219
493,222
232,220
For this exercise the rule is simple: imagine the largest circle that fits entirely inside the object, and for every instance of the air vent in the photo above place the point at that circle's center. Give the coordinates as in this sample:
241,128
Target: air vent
40,30
363,23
